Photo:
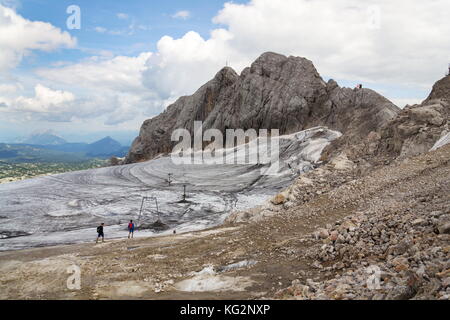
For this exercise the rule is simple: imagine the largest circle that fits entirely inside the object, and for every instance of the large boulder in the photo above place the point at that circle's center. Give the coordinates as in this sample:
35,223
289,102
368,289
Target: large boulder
415,130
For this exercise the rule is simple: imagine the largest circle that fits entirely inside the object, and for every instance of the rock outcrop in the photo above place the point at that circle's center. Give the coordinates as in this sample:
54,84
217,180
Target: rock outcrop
276,92
441,90
414,130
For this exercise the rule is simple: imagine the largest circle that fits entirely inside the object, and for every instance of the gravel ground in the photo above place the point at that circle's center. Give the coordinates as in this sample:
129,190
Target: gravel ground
332,240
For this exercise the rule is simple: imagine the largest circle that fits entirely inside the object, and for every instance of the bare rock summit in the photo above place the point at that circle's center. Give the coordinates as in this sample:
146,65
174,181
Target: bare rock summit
275,92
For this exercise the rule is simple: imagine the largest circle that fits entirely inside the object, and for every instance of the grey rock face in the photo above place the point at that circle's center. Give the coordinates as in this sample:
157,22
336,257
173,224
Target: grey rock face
276,92
417,128
441,90
414,130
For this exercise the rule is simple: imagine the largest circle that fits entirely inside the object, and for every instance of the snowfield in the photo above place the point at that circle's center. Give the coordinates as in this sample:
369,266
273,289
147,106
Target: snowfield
66,208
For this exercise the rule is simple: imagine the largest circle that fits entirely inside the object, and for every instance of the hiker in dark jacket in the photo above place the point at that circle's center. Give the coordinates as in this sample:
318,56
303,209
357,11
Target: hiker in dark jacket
100,233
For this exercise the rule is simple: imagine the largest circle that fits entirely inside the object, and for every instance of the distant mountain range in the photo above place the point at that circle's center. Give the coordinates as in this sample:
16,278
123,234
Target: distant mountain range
45,138
48,147
104,148
23,153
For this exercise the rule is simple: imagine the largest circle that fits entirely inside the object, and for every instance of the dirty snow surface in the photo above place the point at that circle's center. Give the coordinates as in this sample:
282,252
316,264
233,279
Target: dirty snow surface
67,208
441,142
208,280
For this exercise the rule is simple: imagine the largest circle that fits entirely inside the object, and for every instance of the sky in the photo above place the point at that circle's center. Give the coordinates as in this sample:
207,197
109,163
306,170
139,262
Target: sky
120,62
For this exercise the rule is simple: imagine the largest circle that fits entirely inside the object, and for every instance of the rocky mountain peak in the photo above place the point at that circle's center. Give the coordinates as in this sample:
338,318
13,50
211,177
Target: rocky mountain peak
45,137
279,67
275,92
226,76
441,90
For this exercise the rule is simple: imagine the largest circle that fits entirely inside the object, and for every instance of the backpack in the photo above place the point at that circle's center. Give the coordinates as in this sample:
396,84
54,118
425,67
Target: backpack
130,225
99,229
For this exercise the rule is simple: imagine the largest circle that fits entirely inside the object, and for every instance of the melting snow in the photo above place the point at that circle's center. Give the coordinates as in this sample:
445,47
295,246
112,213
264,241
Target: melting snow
441,142
67,208
238,265
208,281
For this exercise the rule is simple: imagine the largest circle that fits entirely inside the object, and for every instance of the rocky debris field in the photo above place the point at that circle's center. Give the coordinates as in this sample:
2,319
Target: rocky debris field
394,245
334,240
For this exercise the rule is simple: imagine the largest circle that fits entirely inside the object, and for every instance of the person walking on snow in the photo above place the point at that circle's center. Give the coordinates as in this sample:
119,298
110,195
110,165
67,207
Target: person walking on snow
100,233
131,229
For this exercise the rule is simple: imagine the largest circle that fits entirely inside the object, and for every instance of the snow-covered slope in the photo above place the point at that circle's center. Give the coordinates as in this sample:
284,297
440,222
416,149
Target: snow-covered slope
66,208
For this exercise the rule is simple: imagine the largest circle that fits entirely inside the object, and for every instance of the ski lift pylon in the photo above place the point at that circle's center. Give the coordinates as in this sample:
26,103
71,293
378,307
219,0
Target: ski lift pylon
142,206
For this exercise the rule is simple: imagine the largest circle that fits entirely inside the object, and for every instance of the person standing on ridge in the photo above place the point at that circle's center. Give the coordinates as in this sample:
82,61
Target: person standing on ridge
100,233
131,229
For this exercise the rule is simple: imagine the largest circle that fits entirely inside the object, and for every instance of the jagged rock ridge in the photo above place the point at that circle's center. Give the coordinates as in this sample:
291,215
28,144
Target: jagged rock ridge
441,90
414,130
276,92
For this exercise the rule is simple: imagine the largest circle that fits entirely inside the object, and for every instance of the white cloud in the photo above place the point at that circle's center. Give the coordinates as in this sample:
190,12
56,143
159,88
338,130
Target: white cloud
110,89
45,100
19,36
122,16
100,29
120,73
183,14
10,88
121,32
95,106
410,48
182,65
10,3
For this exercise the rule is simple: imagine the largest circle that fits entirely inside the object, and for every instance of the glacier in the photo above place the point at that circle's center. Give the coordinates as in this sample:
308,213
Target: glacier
67,208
